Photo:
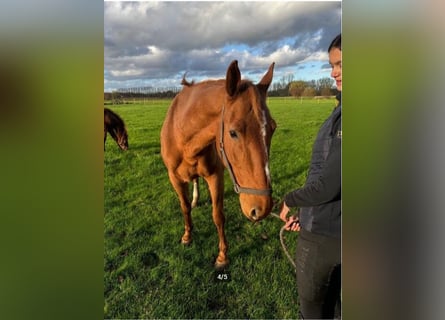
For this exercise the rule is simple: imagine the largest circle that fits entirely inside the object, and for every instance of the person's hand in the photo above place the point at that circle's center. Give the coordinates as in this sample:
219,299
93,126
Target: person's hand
284,211
292,224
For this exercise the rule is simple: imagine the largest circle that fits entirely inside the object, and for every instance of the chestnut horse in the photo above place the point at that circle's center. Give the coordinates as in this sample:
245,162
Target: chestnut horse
215,124
114,125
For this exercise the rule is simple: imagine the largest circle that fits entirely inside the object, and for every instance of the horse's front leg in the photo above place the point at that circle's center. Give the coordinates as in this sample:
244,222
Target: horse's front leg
181,189
216,187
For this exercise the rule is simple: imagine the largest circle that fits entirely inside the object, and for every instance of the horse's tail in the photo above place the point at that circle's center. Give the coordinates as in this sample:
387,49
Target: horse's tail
184,82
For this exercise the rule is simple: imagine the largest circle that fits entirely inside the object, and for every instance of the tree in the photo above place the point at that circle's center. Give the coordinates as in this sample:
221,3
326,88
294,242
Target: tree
296,88
326,92
309,92
312,84
324,85
290,78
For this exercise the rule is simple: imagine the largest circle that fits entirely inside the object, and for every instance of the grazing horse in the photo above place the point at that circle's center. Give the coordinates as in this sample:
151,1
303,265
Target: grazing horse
114,125
215,124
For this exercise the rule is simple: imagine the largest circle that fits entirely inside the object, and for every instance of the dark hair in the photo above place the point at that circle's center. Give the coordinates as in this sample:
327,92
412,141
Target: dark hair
336,43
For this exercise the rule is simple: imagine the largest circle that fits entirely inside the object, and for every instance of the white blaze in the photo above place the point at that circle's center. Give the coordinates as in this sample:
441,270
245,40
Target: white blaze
263,131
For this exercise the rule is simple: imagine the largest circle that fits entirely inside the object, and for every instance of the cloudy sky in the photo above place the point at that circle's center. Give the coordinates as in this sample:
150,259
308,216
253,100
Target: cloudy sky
155,43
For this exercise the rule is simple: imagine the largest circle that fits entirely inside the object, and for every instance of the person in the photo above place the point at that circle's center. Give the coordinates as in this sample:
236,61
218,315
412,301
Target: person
318,253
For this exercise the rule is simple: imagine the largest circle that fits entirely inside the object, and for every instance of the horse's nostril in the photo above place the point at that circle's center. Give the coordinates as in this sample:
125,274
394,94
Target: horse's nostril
253,214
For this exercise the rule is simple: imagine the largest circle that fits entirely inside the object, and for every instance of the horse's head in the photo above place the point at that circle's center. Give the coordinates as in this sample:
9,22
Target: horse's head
246,129
122,139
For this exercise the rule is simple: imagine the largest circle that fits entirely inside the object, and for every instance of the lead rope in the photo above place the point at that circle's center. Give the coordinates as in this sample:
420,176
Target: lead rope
283,245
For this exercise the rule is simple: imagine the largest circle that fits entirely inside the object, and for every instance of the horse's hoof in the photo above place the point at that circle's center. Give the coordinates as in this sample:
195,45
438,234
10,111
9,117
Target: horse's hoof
186,242
221,264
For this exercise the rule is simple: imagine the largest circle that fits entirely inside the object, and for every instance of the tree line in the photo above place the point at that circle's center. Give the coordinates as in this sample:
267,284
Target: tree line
118,97
300,88
285,87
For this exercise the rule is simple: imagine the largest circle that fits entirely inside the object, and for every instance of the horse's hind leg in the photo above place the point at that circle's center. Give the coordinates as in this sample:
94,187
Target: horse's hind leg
182,189
195,192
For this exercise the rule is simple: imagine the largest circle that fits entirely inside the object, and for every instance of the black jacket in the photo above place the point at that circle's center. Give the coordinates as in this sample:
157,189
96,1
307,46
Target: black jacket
320,197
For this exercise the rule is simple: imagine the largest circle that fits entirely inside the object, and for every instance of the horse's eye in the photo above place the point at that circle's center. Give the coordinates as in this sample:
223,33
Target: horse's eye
233,134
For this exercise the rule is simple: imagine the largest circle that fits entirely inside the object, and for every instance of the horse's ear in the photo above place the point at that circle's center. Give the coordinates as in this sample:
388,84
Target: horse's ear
263,85
233,78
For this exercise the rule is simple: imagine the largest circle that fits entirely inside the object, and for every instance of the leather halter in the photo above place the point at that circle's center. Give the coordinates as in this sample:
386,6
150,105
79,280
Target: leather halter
236,186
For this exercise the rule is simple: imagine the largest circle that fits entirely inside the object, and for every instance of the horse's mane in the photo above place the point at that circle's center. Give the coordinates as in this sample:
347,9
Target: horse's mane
184,82
114,121
243,86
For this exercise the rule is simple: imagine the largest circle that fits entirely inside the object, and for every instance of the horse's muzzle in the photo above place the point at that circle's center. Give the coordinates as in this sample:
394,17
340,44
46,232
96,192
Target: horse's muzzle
256,210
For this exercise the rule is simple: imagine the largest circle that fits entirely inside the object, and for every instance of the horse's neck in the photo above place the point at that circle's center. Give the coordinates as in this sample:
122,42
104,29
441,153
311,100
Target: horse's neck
199,135
115,129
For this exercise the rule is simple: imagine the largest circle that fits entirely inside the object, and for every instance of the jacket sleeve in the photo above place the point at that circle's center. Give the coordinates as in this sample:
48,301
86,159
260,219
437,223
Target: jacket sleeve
324,189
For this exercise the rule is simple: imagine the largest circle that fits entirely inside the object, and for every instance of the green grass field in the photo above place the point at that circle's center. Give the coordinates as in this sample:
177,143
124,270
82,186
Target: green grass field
149,274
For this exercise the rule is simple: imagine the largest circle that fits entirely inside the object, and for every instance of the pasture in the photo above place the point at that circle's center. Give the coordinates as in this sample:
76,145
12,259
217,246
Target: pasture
149,274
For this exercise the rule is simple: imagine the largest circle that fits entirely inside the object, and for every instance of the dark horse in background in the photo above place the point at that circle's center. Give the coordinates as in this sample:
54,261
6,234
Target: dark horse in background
115,126
215,124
